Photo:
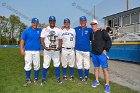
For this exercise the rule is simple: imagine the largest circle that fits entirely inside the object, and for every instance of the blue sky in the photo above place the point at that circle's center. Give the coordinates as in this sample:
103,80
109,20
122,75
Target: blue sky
61,9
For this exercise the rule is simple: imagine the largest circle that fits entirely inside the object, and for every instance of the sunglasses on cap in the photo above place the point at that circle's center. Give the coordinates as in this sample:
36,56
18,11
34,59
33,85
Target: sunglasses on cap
93,24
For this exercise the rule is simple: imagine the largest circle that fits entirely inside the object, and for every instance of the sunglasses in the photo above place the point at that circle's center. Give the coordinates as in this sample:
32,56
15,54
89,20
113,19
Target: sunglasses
93,24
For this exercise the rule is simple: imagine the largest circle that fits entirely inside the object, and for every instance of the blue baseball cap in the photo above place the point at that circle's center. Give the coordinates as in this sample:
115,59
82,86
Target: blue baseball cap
52,18
66,20
83,18
35,20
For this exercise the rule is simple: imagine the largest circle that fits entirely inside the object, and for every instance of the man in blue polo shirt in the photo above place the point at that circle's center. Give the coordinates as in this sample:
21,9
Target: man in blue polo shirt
30,48
82,47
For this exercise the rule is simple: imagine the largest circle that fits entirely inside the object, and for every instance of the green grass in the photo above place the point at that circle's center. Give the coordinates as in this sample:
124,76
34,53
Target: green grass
12,78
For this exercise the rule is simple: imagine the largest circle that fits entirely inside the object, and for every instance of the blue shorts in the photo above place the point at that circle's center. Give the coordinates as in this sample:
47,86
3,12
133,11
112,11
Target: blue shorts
100,60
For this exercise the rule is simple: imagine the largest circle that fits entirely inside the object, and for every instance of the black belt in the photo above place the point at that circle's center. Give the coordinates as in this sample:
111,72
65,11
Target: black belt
67,48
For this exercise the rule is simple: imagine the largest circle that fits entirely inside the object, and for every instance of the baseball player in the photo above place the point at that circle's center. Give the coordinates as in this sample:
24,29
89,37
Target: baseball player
68,53
51,54
30,48
82,47
101,43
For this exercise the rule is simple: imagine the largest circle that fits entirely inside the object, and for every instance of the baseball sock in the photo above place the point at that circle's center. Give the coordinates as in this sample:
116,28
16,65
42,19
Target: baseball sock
44,73
27,74
86,73
57,72
64,71
80,72
36,72
71,71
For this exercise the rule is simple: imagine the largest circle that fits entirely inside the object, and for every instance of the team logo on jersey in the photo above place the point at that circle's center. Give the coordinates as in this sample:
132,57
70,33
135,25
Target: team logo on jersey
38,32
67,33
86,32
52,33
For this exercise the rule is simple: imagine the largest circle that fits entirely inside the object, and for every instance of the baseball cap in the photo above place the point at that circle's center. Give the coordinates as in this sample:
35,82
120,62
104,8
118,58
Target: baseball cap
94,21
66,20
83,18
35,20
52,18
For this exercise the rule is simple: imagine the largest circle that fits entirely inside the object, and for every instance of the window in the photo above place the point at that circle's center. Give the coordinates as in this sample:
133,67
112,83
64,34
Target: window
120,21
110,23
134,18
117,21
126,20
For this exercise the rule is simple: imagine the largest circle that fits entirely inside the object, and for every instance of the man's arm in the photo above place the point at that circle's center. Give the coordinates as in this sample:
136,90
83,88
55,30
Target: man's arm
108,42
22,42
42,38
22,52
62,27
59,44
60,40
91,34
42,42
45,26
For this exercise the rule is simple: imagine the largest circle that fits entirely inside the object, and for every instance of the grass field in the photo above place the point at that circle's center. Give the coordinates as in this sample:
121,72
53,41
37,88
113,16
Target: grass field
12,78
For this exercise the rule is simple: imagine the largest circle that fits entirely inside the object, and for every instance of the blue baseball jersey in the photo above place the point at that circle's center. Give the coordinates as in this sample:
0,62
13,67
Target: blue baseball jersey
83,38
31,38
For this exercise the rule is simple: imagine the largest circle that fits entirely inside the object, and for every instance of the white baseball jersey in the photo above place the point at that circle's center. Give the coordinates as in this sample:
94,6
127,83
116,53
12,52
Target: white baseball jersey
68,41
46,32
51,54
68,38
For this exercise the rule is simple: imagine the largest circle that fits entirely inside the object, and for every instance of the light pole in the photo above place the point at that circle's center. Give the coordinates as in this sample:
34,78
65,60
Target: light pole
127,4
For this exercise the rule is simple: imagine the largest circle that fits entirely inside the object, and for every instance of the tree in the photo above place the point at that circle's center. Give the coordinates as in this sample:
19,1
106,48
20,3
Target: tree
10,29
41,25
3,23
14,22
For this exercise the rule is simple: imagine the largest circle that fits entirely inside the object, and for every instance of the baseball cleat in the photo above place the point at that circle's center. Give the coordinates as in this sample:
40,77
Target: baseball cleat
86,80
65,78
43,82
27,82
59,81
81,81
95,83
71,78
36,81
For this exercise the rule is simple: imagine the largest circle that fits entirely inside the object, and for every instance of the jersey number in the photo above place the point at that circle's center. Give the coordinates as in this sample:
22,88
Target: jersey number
71,38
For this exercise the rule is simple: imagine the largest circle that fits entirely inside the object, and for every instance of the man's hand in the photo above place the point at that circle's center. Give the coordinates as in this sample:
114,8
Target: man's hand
62,27
58,48
102,28
105,52
45,26
22,52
